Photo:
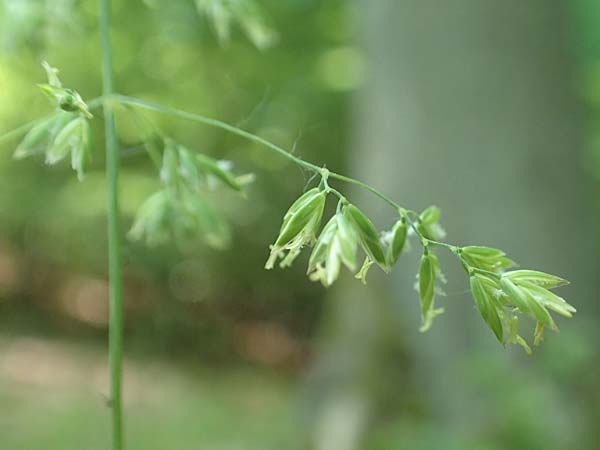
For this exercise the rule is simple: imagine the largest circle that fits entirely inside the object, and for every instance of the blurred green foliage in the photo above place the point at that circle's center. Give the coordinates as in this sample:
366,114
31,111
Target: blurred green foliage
168,53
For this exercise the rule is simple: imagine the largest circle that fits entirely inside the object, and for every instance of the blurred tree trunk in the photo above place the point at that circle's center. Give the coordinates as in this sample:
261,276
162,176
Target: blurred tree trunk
469,105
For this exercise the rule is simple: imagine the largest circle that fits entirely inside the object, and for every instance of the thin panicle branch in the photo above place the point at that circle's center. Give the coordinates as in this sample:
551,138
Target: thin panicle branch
501,295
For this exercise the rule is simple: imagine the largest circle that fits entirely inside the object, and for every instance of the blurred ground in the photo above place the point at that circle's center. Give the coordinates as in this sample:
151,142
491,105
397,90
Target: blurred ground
53,396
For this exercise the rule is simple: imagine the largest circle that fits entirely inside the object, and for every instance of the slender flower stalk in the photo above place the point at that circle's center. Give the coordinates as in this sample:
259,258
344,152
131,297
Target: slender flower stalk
114,232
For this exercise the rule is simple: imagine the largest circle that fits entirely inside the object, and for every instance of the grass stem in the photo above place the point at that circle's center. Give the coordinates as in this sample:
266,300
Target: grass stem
115,340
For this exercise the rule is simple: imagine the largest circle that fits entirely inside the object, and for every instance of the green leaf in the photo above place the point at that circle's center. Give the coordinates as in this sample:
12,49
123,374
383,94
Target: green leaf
66,99
39,137
542,279
212,167
526,301
61,134
219,15
429,223
70,100
486,258
182,216
180,164
35,140
430,215
367,234
333,262
515,294
539,310
311,207
337,244
477,251
152,219
503,263
252,20
72,135
80,154
549,299
204,218
348,241
319,253
169,171
300,225
298,203
246,13
483,291
52,74
427,275
188,168
399,232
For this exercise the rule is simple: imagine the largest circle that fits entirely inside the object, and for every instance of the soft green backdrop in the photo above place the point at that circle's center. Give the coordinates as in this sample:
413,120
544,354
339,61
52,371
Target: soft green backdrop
488,109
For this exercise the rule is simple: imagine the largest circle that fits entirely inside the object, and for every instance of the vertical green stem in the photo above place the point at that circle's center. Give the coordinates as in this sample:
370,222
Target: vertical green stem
115,339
